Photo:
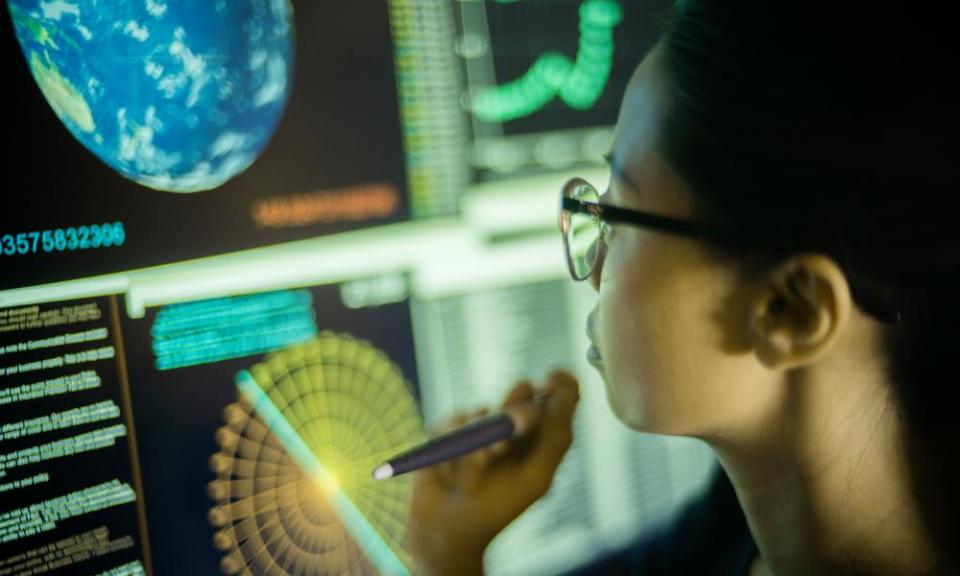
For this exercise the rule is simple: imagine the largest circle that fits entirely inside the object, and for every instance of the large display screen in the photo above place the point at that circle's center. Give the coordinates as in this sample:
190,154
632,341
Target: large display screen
545,77
144,133
127,444
222,302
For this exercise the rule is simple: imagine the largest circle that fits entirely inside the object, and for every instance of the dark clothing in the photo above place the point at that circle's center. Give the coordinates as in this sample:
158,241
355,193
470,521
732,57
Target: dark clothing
708,537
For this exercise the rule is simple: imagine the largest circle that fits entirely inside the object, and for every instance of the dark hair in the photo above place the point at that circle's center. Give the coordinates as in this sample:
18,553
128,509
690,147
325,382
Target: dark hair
832,127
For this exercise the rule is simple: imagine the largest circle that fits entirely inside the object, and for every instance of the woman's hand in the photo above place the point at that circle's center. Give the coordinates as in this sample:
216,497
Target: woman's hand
459,506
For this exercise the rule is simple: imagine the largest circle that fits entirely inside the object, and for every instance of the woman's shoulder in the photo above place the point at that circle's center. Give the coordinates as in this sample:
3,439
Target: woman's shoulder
708,536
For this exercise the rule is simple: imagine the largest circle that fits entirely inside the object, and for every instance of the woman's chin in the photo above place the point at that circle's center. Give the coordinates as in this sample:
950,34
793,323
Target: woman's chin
635,415
620,410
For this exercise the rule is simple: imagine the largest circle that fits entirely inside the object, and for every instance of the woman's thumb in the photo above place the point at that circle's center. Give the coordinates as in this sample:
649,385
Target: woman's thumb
555,432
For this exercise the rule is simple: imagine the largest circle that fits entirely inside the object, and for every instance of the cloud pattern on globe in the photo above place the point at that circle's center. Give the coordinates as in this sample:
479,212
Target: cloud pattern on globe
177,95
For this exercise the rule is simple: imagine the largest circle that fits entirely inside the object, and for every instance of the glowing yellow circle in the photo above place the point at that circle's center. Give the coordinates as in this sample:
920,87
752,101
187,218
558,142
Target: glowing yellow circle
351,405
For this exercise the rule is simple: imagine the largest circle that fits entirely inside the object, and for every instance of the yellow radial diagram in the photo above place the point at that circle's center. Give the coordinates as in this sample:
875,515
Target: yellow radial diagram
352,407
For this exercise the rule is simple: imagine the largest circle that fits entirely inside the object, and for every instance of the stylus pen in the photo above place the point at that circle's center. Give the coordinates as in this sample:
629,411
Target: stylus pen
473,436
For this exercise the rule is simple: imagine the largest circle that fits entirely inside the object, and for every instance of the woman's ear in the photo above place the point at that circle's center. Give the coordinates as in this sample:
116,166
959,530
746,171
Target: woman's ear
800,311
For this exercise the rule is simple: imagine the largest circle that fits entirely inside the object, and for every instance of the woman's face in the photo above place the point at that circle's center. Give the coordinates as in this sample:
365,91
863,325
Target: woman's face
670,321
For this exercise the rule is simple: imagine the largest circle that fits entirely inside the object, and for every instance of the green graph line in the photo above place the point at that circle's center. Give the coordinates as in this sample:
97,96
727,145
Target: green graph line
579,83
363,533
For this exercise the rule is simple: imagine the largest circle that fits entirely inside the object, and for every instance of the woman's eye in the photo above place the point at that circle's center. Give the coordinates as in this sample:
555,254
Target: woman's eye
606,231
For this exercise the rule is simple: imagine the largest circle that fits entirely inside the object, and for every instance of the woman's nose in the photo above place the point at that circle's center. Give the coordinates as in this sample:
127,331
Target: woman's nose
598,251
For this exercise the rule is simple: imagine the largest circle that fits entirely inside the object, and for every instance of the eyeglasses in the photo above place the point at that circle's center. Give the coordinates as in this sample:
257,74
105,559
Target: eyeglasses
585,223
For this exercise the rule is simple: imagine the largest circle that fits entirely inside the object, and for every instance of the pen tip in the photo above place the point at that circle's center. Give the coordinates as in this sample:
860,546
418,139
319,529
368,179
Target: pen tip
382,472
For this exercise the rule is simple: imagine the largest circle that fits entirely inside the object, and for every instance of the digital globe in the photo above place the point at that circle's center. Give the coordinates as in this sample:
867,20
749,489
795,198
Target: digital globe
177,95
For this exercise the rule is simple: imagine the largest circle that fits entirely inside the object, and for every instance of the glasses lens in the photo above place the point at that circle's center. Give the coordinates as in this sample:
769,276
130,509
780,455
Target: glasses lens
583,232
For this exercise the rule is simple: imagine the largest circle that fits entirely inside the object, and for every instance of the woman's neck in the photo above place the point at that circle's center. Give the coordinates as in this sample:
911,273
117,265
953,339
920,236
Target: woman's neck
824,482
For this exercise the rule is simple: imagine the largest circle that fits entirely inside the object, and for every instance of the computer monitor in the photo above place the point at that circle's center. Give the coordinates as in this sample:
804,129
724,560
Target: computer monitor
171,131
494,90
545,78
207,395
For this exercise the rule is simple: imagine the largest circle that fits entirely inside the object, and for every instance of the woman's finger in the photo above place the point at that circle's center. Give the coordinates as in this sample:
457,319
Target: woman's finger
555,433
518,403
473,469
446,471
449,424
521,393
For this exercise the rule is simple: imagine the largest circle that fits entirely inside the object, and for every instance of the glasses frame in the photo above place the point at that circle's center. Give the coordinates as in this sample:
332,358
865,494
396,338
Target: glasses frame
605,213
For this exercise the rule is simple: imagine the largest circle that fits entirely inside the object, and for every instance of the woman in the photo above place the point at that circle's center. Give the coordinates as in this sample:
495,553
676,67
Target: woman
792,300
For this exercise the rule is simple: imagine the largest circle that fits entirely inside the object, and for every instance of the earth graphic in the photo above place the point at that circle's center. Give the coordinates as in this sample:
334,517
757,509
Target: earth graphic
177,95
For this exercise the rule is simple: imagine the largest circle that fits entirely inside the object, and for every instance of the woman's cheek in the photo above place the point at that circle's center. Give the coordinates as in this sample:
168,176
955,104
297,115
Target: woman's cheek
620,322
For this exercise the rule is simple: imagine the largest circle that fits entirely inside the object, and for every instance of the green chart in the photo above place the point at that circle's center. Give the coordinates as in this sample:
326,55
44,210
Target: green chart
578,83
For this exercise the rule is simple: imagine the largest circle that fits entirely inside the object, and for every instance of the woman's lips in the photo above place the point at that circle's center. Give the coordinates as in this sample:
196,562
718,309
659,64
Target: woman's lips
594,358
593,353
